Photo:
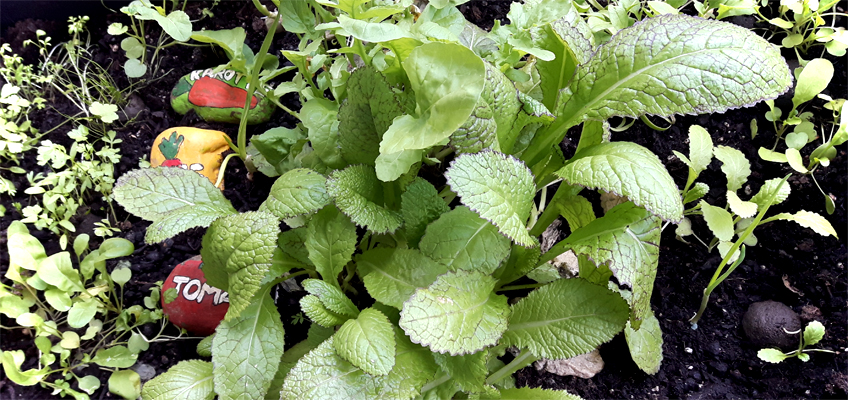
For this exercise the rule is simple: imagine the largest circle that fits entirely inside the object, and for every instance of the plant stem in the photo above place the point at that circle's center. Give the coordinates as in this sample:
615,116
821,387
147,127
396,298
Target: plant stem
524,359
520,287
434,383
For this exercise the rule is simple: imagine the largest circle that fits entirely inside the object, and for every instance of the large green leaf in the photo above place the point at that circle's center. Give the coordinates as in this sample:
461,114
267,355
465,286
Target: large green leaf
392,275
469,371
556,329
630,170
331,297
330,240
646,344
188,380
571,40
527,393
627,238
237,252
420,205
319,116
359,194
175,199
246,350
461,240
675,64
498,187
299,191
367,342
447,80
458,314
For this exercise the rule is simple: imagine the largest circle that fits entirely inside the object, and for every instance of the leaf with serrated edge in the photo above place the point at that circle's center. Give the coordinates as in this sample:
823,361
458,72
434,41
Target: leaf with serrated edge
697,191
392,275
675,64
773,356
498,187
297,192
188,380
238,249
246,350
809,219
744,209
420,205
646,344
700,148
318,313
527,393
359,194
734,165
332,297
173,198
468,371
330,240
556,329
718,220
813,333
629,170
768,189
628,239
367,342
457,314
460,239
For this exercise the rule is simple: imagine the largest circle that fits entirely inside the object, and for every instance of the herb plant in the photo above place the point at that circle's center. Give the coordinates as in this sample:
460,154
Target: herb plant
813,333
175,25
426,249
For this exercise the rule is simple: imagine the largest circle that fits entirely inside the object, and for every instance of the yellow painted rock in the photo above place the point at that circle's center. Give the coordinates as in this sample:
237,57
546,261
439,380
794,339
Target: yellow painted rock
196,149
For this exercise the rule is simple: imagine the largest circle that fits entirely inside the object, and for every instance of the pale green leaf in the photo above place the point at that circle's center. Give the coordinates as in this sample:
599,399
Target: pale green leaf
177,25
12,361
58,271
420,205
697,191
115,357
330,240
457,314
106,112
773,356
246,350
231,40
556,329
646,344
134,68
13,306
734,165
392,275
461,240
813,333
795,160
468,371
82,312
628,170
771,155
124,383
390,166
90,383
776,187
675,64
359,194
810,220
372,31
700,148
744,209
718,220
116,29
70,340
331,297
367,342
813,79
121,275
319,116
175,200
237,252
318,313
498,187
527,393
188,380
796,140
297,192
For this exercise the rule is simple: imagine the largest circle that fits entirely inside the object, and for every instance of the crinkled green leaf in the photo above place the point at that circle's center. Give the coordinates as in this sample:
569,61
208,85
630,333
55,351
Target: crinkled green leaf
493,117
175,200
527,393
571,40
317,334
330,240
237,252
188,380
319,116
331,297
675,64
367,342
718,220
299,191
734,166
813,333
556,329
468,371
457,314
365,115
461,240
246,350
646,344
359,194
291,242
318,313
773,356
744,209
447,80
392,275
626,169
498,187
420,205
770,188
810,220
697,191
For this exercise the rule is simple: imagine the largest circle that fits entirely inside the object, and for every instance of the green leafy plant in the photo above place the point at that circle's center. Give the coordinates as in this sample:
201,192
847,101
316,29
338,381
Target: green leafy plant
738,218
176,29
426,250
813,333
806,28
76,314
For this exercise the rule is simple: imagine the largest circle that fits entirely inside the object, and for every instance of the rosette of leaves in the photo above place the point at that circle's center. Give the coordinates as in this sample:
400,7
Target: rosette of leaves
408,289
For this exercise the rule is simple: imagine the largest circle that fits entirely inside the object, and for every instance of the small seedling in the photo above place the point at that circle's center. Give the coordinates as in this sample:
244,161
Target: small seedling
813,333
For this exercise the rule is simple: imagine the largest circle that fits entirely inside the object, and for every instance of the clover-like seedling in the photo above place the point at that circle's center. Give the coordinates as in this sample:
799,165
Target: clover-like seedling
813,333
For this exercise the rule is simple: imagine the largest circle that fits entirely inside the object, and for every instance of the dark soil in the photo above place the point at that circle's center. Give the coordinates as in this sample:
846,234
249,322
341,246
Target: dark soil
790,264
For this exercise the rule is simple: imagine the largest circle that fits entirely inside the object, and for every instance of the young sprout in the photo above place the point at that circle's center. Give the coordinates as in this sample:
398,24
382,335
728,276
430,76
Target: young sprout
813,333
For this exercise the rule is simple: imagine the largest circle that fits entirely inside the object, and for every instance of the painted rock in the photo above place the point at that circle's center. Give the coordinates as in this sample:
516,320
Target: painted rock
219,97
198,307
199,150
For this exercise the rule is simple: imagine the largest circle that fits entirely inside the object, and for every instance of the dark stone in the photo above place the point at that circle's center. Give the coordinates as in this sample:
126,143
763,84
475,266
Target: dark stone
719,366
153,256
714,348
767,322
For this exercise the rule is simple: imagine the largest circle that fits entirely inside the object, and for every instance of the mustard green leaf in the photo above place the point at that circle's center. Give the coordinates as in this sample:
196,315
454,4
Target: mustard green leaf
773,356
469,371
734,165
556,329
420,205
297,192
697,191
367,342
318,313
457,314
718,220
571,40
813,333
330,241
527,393
331,297
391,276
461,240
744,209
809,219
646,344
772,187
359,194
188,380
320,117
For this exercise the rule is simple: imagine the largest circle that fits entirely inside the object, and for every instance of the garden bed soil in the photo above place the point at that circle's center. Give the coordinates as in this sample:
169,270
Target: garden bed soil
789,264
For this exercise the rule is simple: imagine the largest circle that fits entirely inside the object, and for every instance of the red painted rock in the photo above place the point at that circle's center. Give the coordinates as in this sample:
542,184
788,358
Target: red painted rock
198,307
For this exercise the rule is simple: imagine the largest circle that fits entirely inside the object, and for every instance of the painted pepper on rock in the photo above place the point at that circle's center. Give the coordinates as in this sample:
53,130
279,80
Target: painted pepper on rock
219,97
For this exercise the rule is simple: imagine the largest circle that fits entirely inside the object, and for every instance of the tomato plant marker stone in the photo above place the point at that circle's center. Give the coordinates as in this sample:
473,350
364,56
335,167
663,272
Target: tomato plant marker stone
198,307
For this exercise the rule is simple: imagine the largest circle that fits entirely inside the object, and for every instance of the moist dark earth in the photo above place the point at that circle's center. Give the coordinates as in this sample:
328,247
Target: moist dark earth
790,264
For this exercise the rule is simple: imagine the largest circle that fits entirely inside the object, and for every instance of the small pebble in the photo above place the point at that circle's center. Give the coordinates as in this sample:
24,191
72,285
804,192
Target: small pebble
145,371
767,322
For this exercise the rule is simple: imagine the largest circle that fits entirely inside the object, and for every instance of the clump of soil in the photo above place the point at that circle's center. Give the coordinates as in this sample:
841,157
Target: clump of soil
768,323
